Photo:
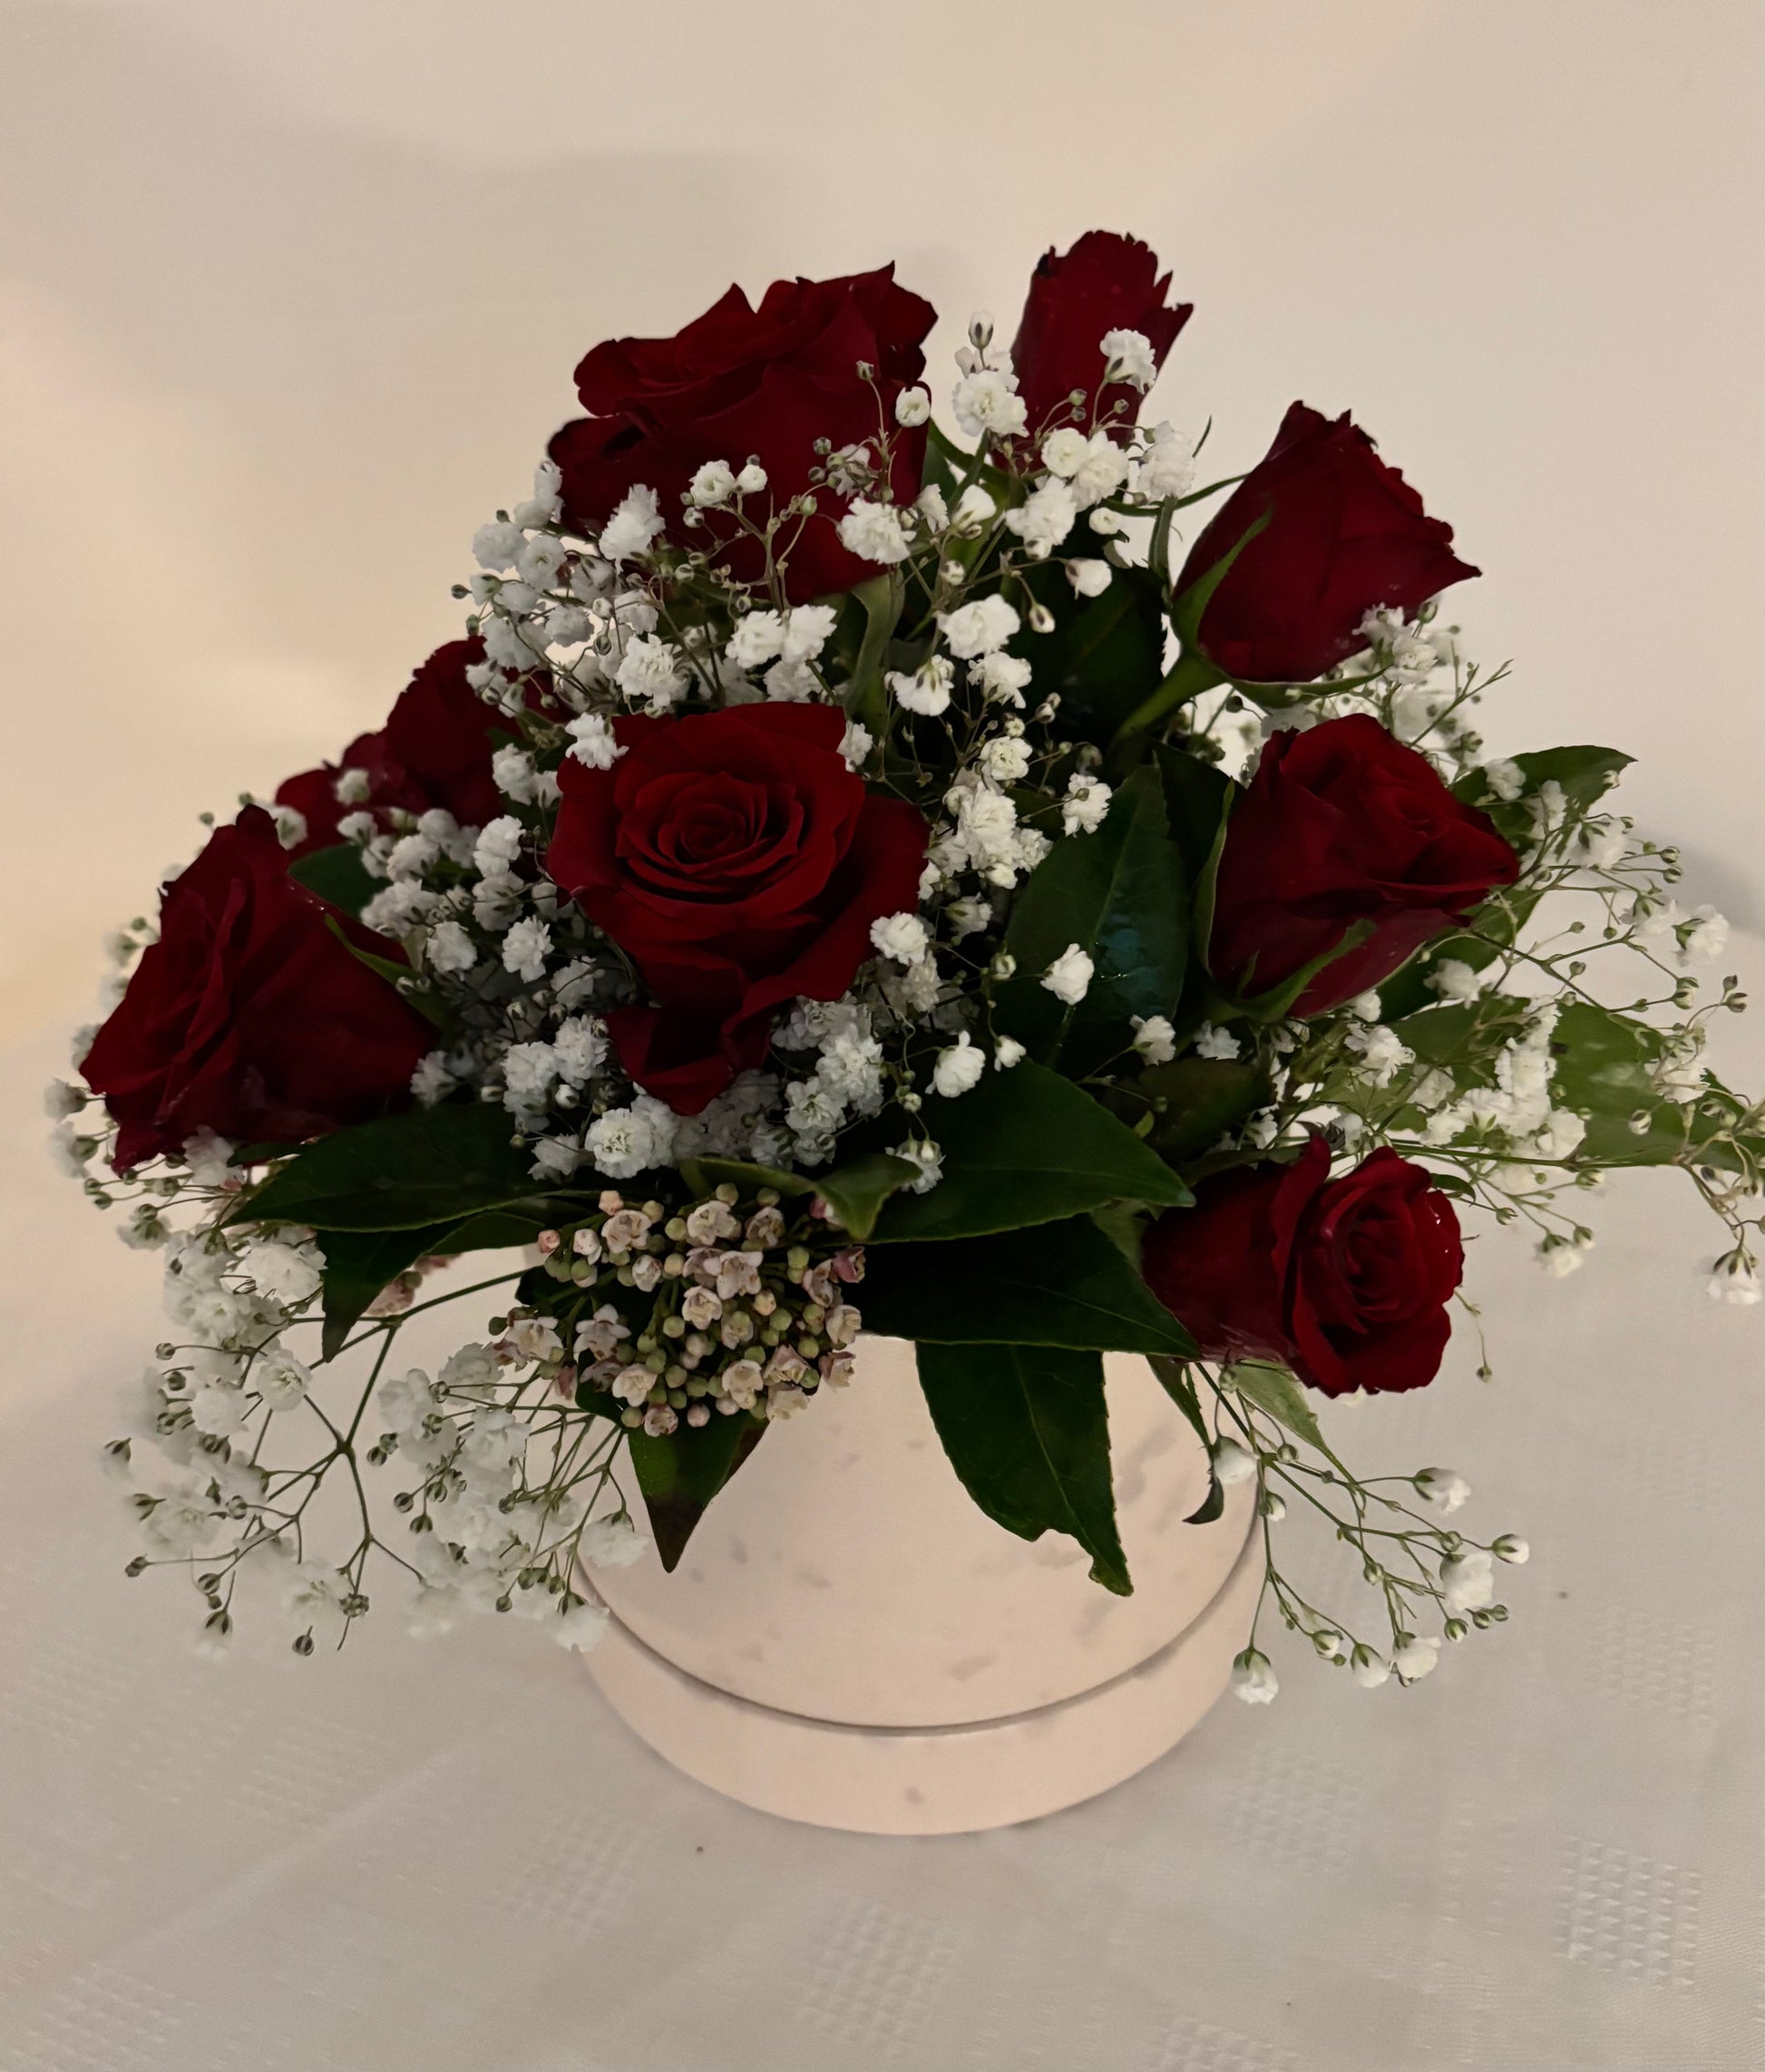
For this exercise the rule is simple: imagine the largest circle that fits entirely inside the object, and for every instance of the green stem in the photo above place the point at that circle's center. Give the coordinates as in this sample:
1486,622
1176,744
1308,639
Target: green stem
1189,675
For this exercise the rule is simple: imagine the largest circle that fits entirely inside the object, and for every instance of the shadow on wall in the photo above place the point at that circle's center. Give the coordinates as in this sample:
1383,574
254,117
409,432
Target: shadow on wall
387,336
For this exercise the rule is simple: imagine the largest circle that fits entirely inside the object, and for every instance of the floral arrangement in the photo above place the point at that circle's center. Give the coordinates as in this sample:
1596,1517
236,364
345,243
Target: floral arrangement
857,872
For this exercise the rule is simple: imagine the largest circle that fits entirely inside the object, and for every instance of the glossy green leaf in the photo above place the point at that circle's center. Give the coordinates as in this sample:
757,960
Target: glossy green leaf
359,1263
855,1190
1119,894
1198,1100
1026,1430
1059,1284
426,1165
1026,1146
1603,1063
1274,1389
1106,655
337,876
681,1473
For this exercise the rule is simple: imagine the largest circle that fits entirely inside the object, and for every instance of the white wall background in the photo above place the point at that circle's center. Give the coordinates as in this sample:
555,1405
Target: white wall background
290,295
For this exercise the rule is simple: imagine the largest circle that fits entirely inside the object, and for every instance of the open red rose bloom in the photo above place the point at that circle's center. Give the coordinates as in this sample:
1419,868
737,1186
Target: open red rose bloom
738,861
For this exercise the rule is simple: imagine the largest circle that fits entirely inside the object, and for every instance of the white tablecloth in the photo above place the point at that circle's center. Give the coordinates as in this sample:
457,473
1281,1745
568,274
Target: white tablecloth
288,298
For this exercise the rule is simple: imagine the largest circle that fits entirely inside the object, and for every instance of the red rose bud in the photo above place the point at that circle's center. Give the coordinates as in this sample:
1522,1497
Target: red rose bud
767,383
247,1017
1345,535
1105,283
1342,825
738,861
1345,1281
435,750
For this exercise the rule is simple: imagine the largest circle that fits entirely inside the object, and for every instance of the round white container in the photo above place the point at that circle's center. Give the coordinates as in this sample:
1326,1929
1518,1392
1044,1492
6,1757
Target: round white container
849,1640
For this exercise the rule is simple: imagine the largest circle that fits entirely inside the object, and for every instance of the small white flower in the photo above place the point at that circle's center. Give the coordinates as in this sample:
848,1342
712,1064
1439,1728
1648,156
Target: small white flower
59,1100
497,846
1417,1658
633,526
1233,1463
912,407
987,406
592,742
751,479
1130,356
758,638
432,1080
927,690
280,1379
1561,1257
218,1410
856,744
495,545
449,948
1441,1488
514,774
1155,1038
979,627
958,1068
1369,1670
1710,937
1168,466
1003,760
1506,779
1211,1042
1736,1280
581,1627
1087,801
1468,1579
1069,978
651,672
975,510
1511,1548
1089,579
525,948
1254,1678
902,938
1101,471
875,532
1063,451
714,484
540,561
1045,518
612,1543
1453,979
286,1273
1007,1052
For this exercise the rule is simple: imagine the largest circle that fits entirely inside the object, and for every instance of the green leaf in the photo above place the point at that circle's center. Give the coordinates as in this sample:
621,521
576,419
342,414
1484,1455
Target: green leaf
1119,894
883,598
854,1190
359,1263
1497,922
1026,1146
1106,655
1059,1284
1603,1063
337,875
1198,801
1200,1098
680,1475
1584,776
1274,1389
1186,611
1026,1430
426,1165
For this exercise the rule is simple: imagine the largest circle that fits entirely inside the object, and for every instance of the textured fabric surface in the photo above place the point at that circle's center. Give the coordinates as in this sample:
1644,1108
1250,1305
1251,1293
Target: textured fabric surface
450,1855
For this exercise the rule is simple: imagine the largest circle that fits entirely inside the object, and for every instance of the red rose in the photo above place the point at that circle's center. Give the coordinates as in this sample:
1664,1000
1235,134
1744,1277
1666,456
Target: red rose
1345,1281
435,750
739,862
247,1017
1346,535
1106,283
767,383
1341,824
